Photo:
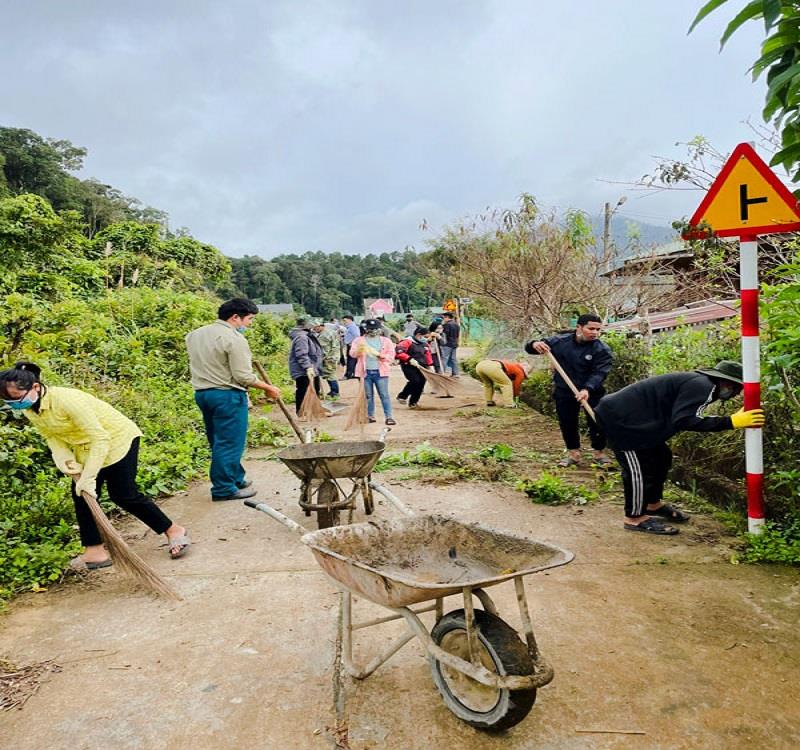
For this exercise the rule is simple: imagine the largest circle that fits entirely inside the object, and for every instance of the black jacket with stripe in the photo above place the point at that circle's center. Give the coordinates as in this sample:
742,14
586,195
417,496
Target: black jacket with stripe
650,412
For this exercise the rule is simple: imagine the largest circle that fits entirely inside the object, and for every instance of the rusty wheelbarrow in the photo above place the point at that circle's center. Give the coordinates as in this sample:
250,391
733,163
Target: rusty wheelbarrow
486,675
320,466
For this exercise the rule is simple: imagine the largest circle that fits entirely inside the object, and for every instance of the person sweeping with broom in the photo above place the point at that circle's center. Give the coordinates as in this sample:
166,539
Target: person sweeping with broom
413,353
95,445
374,355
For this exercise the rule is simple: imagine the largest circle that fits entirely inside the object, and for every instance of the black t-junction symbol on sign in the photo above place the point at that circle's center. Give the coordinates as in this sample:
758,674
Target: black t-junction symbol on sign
744,201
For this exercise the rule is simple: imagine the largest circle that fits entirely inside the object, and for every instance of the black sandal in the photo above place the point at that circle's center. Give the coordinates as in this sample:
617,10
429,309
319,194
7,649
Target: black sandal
651,526
670,512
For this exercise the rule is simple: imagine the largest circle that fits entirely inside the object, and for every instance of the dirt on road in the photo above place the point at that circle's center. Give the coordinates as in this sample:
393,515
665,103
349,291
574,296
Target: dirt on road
656,642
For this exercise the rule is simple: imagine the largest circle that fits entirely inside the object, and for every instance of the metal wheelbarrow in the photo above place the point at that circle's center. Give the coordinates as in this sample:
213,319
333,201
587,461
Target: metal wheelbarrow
319,466
486,675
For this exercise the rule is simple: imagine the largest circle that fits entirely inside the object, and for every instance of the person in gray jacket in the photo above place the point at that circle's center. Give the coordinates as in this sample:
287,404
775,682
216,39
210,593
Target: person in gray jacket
305,359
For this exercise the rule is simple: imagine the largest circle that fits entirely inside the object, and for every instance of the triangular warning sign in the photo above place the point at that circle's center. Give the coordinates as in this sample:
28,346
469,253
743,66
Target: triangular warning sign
747,199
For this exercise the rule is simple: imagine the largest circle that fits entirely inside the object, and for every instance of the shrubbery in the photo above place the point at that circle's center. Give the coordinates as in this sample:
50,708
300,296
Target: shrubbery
121,341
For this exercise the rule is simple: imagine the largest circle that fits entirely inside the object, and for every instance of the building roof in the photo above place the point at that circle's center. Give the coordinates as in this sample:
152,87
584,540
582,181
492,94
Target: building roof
697,313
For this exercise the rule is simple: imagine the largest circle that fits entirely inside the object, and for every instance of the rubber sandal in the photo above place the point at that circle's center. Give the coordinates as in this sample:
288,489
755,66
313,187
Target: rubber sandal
651,526
568,461
81,565
179,545
670,512
390,421
602,461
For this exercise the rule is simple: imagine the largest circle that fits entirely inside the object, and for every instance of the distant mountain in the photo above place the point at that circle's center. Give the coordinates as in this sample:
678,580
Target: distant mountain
622,231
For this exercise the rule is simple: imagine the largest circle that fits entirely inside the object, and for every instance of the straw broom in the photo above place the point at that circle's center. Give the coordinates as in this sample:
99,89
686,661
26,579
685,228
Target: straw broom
445,382
123,556
312,409
358,411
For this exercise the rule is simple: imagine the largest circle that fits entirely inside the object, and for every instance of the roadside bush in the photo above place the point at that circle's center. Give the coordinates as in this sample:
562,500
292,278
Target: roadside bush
127,348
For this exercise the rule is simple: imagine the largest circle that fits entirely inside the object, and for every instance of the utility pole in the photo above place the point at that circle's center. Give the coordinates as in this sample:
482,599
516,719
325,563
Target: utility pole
609,212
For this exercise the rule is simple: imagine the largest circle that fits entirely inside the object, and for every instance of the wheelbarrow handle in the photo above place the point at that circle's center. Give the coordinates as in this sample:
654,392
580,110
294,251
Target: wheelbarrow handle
392,498
277,515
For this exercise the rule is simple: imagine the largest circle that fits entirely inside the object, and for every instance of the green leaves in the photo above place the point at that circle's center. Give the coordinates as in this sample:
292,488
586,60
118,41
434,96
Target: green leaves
709,7
751,10
780,58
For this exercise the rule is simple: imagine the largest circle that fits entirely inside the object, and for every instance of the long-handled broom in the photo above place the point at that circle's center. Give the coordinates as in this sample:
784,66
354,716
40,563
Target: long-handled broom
123,556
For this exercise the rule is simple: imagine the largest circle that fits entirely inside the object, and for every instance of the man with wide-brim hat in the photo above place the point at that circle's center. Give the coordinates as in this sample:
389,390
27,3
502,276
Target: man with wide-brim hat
639,420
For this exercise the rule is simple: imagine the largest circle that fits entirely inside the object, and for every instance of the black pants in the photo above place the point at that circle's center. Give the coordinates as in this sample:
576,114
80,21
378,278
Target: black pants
350,367
568,411
300,388
415,385
644,472
120,481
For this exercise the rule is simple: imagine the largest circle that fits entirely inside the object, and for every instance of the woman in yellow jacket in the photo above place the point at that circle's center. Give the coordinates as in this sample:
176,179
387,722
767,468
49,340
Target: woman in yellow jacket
94,444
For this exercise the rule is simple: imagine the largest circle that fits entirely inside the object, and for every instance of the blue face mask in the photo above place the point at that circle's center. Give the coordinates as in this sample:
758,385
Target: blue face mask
241,329
24,403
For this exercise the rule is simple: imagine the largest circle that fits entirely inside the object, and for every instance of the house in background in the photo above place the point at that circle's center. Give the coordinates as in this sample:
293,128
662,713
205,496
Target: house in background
374,308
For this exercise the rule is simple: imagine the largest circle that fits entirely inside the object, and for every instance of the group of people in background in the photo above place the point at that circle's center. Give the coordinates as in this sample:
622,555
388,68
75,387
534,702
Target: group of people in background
636,420
98,447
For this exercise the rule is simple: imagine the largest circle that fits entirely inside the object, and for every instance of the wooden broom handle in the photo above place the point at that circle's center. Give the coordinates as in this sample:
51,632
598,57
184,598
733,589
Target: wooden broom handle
568,381
292,421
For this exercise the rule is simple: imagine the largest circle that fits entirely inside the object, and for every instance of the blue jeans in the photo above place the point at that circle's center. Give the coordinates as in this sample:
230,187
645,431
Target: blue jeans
225,418
373,377
334,386
449,359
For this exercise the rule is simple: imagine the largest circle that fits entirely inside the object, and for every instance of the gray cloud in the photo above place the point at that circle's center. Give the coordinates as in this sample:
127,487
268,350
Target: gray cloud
334,125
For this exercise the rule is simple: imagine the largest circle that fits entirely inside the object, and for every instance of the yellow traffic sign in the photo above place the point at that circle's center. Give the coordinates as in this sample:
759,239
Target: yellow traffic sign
746,199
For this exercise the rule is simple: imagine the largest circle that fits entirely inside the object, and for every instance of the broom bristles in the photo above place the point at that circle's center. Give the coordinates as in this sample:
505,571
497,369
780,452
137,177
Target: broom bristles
445,382
358,411
124,557
312,410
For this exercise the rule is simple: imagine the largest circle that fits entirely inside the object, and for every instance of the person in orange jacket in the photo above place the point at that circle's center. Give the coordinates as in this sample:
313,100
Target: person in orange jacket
505,375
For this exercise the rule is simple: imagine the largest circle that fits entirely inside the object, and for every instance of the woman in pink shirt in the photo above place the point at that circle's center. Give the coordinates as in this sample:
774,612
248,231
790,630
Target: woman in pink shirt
374,355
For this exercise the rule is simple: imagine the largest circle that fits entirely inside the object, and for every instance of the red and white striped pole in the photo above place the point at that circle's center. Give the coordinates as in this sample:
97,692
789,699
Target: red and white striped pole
751,367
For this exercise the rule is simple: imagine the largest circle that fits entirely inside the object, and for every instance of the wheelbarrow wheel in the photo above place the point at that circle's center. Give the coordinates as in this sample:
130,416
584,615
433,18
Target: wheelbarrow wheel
500,651
327,517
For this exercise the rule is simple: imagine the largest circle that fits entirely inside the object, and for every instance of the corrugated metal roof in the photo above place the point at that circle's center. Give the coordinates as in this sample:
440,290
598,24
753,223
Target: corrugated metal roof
689,315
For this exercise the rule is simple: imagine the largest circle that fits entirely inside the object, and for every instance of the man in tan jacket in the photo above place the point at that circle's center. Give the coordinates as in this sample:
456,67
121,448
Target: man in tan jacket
222,370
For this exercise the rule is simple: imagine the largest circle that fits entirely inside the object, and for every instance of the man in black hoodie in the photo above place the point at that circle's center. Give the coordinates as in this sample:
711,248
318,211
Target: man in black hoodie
640,418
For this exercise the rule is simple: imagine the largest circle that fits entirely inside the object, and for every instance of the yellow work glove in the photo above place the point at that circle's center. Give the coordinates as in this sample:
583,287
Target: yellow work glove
311,373
752,418
413,362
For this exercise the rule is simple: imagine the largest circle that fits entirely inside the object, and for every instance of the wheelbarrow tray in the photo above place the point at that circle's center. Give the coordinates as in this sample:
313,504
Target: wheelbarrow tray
404,561
336,460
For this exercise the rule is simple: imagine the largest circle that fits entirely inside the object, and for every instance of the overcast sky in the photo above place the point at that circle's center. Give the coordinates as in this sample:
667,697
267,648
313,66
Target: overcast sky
278,126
